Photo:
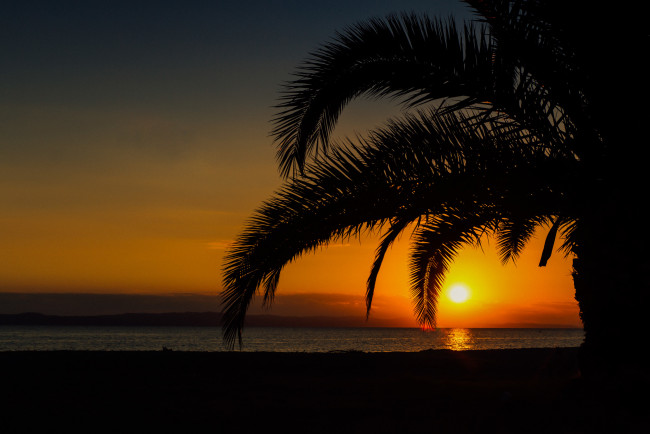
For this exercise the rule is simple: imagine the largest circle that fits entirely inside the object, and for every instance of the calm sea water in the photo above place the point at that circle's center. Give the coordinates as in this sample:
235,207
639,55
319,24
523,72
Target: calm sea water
44,338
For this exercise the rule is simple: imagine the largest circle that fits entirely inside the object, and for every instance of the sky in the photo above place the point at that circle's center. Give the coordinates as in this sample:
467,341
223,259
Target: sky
134,146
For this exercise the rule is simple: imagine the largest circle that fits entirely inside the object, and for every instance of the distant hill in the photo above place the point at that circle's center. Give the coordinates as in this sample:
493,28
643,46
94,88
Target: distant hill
189,319
126,319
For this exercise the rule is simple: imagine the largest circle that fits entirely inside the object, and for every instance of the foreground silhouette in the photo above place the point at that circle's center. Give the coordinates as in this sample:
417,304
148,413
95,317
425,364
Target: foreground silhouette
504,391
514,126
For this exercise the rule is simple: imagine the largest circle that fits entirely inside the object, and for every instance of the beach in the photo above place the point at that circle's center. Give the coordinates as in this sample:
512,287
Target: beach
506,391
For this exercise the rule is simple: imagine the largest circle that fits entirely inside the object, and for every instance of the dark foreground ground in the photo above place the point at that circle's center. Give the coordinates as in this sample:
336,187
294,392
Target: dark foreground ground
502,391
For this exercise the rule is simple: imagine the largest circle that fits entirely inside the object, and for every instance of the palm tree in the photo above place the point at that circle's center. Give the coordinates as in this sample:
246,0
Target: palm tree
510,129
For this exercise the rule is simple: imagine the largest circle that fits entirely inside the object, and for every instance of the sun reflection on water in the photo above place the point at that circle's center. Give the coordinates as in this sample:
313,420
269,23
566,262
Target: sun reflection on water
459,339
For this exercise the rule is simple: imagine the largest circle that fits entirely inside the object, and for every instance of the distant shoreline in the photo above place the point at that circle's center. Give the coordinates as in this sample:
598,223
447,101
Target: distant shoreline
213,319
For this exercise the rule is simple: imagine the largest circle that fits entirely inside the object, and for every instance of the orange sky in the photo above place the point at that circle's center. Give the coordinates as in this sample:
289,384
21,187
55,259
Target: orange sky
510,295
128,165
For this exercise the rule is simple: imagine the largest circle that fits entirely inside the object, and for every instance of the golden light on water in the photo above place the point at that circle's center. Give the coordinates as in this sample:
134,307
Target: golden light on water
459,339
458,293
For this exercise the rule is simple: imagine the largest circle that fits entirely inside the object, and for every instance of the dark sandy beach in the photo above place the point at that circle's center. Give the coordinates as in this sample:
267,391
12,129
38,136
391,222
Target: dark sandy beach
504,391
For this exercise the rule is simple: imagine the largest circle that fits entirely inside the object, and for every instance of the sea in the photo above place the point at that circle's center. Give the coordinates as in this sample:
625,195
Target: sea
280,339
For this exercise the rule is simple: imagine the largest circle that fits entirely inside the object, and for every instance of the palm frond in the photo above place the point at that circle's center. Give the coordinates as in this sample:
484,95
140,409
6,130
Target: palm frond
568,231
535,40
436,243
549,242
421,166
416,58
513,67
396,228
512,236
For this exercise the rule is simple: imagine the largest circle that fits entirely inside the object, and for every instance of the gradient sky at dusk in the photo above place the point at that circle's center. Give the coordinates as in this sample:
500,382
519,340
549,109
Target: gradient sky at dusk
134,144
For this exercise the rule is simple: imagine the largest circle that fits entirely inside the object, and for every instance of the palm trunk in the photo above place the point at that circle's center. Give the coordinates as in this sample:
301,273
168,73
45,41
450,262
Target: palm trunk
611,282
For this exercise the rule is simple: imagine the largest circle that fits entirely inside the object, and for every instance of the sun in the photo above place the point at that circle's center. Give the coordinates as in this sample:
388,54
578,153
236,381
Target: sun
458,293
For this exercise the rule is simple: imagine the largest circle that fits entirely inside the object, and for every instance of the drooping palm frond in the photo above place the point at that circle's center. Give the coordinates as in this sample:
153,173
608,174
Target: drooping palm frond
423,165
422,60
395,229
513,234
568,229
549,242
417,58
435,245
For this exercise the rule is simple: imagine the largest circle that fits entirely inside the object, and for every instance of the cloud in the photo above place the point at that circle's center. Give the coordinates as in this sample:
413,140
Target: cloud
105,304
315,309
541,314
219,245
385,308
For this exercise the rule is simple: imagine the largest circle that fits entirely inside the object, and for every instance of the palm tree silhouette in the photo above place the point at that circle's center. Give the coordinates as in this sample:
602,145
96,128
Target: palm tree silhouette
510,129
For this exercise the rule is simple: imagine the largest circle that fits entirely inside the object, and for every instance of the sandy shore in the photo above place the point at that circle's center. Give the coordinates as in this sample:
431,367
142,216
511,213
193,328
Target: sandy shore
506,391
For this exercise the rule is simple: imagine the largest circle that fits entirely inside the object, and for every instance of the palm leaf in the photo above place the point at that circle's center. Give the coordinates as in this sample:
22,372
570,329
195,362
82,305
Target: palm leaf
512,236
416,58
389,237
549,242
418,167
436,244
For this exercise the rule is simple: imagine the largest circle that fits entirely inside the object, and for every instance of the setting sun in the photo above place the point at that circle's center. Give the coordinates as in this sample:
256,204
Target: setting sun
458,293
